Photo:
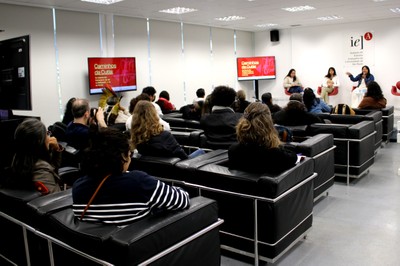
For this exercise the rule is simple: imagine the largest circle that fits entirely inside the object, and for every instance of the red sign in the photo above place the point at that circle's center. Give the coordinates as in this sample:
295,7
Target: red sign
119,72
260,67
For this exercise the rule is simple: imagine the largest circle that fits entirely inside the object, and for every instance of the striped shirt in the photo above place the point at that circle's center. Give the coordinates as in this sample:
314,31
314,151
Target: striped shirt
125,198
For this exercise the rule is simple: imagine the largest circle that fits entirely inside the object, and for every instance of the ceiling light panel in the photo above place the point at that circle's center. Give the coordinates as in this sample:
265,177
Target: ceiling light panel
230,18
178,10
102,2
298,8
266,25
327,18
395,10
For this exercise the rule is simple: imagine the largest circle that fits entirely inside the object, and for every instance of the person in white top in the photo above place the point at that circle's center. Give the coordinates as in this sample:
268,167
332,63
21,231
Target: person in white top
201,94
330,81
363,79
151,91
292,83
134,101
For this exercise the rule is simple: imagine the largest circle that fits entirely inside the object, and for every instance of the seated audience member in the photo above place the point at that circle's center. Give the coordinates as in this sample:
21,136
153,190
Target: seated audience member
295,114
219,125
151,91
314,104
207,105
201,94
68,117
374,98
241,103
149,137
122,196
291,82
132,105
192,111
77,133
266,98
259,148
36,159
164,103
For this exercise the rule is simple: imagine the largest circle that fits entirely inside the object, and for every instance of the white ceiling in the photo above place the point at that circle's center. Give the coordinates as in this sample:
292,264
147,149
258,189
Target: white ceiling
256,12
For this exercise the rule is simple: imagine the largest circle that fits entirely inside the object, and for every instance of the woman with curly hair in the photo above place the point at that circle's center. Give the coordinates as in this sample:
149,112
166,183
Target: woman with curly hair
259,148
374,98
149,137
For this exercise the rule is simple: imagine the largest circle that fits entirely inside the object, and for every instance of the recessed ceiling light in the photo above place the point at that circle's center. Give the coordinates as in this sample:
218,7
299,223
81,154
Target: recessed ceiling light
230,18
379,0
333,17
298,8
395,10
266,25
103,2
178,10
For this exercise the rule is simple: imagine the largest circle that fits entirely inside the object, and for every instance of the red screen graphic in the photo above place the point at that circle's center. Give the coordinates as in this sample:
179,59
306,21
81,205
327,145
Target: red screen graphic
260,67
119,72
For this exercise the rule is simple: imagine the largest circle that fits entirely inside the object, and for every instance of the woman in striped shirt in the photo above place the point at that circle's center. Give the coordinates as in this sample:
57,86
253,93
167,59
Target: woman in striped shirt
124,196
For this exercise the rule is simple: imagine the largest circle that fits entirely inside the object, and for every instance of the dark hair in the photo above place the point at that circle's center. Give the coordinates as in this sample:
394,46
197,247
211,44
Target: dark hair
296,97
68,116
369,71
30,146
309,98
266,98
374,90
134,101
80,107
290,71
329,75
164,94
105,153
223,96
149,90
200,93
295,105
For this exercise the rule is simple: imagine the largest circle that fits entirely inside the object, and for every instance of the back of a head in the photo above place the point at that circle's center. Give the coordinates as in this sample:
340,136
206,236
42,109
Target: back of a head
256,126
223,96
295,105
149,90
241,95
308,97
200,93
105,153
266,98
80,107
30,146
342,109
164,94
374,90
296,97
134,101
68,117
145,123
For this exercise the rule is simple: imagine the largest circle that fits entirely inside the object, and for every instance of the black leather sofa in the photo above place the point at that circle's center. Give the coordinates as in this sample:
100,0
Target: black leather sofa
281,204
355,146
51,235
361,115
264,215
387,120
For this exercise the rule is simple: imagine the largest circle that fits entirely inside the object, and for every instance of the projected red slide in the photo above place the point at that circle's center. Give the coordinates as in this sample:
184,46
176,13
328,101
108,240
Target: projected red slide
260,67
119,72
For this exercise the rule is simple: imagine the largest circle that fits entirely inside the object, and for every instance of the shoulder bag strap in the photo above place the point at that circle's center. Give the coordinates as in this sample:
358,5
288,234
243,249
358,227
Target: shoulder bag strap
93,196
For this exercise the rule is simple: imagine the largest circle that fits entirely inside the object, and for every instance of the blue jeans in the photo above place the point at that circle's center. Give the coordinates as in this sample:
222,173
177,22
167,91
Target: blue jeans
295,89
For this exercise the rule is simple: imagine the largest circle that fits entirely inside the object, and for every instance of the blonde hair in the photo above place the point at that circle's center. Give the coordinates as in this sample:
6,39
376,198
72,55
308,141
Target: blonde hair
256,127
241,95
145,123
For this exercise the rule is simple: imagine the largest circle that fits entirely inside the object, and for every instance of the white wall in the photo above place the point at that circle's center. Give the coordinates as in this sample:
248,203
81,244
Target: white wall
173,57
312,50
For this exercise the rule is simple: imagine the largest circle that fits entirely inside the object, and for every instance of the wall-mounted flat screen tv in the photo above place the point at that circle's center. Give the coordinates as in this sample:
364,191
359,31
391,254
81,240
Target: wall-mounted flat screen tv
15,84
119,72
254,68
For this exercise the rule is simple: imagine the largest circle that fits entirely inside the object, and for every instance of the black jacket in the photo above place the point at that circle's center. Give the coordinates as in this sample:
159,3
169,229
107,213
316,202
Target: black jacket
219,126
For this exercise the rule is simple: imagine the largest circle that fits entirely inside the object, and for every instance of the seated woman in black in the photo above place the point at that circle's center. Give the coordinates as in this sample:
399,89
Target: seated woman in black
149,137
259,149
123,197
